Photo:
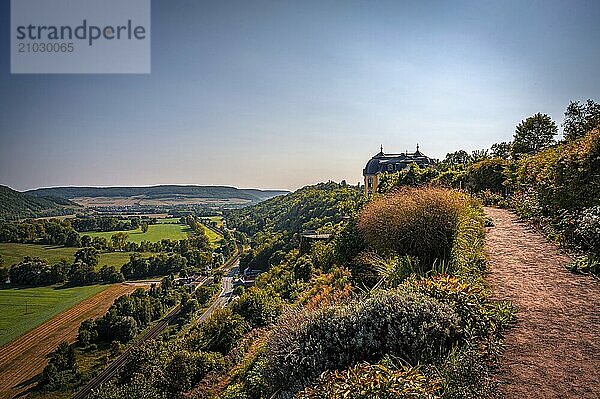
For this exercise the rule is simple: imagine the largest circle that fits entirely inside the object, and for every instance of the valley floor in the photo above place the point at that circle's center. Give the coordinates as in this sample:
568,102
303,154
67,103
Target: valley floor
553,351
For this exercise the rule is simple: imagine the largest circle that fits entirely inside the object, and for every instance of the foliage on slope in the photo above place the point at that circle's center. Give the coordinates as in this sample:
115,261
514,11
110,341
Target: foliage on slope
433,321
311,313
565,177
16,205
309,208
274,225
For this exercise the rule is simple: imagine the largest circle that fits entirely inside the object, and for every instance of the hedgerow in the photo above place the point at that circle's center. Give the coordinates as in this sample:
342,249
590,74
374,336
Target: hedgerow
565,177
560,189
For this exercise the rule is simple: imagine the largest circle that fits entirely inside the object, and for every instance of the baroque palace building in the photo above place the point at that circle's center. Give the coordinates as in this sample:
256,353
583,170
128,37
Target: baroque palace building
390,163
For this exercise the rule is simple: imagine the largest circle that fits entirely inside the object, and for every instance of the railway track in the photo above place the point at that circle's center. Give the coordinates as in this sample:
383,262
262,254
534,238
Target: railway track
112,369
115,366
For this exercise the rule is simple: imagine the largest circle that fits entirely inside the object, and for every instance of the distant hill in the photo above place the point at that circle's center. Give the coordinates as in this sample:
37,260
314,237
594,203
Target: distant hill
171,194
16,205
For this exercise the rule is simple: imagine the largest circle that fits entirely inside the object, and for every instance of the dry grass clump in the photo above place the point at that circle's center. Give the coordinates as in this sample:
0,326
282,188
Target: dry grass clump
419,222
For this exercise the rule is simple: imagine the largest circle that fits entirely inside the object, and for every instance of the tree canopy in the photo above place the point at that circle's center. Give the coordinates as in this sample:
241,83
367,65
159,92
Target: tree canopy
581,119
533,134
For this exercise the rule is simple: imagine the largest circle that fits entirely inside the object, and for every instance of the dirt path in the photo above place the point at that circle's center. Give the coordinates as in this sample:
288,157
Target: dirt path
24,358
554,349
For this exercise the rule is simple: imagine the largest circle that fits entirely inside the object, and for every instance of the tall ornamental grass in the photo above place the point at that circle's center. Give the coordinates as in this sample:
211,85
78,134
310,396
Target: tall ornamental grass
434,225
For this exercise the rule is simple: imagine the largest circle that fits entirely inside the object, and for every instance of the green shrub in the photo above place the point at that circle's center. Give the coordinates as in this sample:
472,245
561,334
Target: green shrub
408,325
480,318
587,229
219,333
486,175
585,264
465,374
366,381
348,242
61,370
468,301
257,307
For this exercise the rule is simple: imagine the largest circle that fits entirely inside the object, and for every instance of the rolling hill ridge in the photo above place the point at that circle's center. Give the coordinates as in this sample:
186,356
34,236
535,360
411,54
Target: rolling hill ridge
160,193
17,205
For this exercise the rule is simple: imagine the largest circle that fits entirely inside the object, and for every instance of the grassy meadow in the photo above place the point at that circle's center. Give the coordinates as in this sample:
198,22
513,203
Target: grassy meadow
25,308
213,237
168,228
14,253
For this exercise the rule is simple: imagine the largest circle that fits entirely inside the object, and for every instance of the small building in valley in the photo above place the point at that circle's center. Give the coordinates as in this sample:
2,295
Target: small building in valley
390,163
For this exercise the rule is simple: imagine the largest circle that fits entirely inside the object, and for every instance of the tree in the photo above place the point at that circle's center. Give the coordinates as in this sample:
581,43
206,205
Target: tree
460,157
35,272
144,227
479,155
88,255
81,273
501,150
61,369
115,348
220,332
110,274
205,292
124,329
72,239
4,274
189,306
86,241
581,119
533,134
87,332
118,240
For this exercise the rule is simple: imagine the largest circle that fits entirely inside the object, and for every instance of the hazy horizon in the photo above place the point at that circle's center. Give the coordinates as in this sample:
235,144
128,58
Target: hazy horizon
154,185
268,94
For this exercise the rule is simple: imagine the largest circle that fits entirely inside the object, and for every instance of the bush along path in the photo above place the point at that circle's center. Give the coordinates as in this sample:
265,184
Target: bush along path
553,351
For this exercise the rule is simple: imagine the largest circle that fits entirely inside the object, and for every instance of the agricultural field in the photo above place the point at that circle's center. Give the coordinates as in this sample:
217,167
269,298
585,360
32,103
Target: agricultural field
53,316
168,228
14,253
25,308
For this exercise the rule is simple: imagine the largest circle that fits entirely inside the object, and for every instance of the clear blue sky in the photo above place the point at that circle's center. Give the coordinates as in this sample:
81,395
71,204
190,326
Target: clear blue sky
279,94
